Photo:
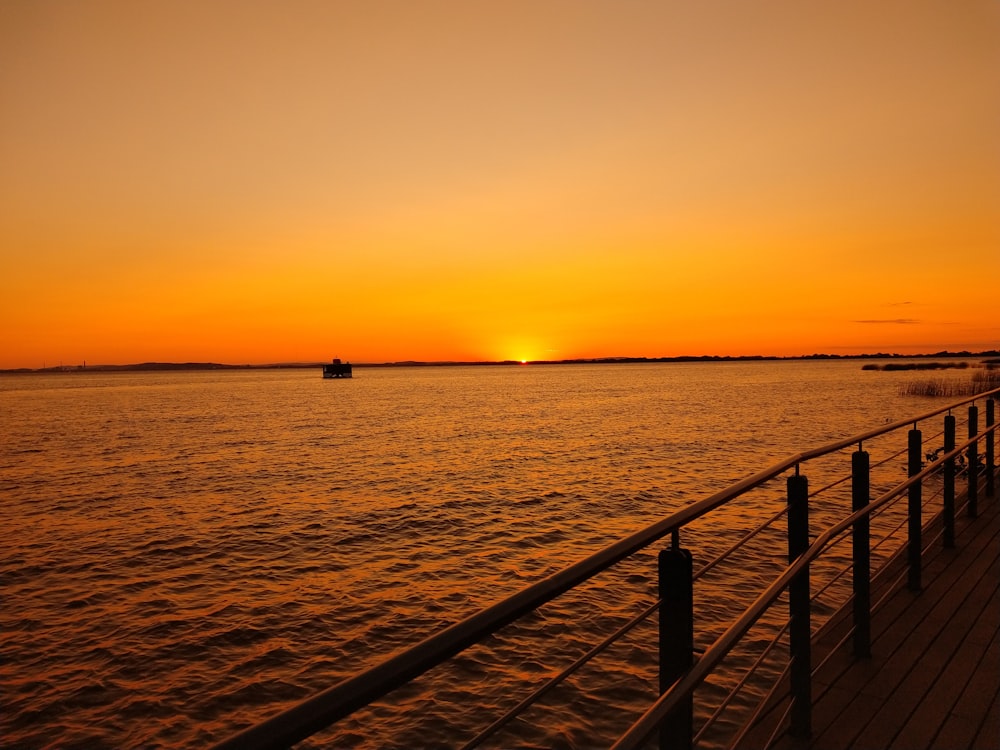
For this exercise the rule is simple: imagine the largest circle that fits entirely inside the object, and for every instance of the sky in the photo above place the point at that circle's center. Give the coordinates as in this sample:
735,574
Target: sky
255,182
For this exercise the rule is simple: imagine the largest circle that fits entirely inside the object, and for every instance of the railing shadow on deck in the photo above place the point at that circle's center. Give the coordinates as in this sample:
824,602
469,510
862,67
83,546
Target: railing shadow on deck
704,699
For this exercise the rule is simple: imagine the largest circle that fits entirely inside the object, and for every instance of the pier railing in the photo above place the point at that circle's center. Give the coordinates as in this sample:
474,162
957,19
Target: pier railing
952,471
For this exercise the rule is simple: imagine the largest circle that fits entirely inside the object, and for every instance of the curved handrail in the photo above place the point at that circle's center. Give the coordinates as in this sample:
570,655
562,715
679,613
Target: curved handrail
323,709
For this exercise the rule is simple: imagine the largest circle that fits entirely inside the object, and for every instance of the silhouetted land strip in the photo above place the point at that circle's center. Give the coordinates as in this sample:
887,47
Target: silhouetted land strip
168,366
898,366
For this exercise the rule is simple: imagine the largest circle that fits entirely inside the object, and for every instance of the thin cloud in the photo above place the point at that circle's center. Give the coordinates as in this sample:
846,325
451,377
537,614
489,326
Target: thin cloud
890,321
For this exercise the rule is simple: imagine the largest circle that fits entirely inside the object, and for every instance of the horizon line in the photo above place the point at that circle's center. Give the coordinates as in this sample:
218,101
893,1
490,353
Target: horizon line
160,365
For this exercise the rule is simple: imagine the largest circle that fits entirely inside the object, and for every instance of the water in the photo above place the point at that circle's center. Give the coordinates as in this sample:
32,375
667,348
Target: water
187,553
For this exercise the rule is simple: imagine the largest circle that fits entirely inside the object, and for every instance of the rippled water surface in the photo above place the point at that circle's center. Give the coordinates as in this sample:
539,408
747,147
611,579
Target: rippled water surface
184,554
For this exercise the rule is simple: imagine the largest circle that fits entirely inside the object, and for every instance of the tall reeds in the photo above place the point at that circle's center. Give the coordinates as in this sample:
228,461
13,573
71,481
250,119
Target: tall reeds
981,381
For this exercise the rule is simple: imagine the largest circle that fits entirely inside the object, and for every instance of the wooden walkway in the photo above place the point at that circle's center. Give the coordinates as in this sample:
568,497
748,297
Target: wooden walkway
933,680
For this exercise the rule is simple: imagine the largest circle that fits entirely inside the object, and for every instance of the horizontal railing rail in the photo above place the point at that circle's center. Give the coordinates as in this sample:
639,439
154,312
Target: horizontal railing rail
339,701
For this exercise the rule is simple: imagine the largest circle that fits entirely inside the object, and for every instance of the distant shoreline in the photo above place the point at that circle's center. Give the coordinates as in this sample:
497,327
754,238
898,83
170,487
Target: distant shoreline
201,366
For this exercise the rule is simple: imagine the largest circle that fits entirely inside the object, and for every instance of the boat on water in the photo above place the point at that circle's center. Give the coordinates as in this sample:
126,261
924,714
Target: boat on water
337,369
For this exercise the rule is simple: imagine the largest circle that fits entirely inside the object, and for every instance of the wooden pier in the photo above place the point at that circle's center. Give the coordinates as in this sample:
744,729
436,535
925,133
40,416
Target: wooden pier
932,681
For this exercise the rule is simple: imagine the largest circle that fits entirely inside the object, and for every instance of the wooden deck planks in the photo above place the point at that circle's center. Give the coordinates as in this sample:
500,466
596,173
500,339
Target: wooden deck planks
961,660
927,636
969,714
933,681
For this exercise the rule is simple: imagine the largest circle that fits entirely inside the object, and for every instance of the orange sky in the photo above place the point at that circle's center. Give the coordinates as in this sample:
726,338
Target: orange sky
244,181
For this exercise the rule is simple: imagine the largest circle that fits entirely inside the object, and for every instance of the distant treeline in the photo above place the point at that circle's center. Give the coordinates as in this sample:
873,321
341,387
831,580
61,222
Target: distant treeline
142,367
161,366
690,358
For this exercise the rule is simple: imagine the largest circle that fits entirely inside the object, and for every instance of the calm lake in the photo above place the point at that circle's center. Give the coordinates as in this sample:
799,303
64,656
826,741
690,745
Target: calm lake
185,554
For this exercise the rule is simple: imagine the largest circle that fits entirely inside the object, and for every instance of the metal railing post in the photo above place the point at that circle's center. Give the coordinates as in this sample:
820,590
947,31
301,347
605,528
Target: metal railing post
800,631
860,497
973,506
676,641
949,483
915,465
991,458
